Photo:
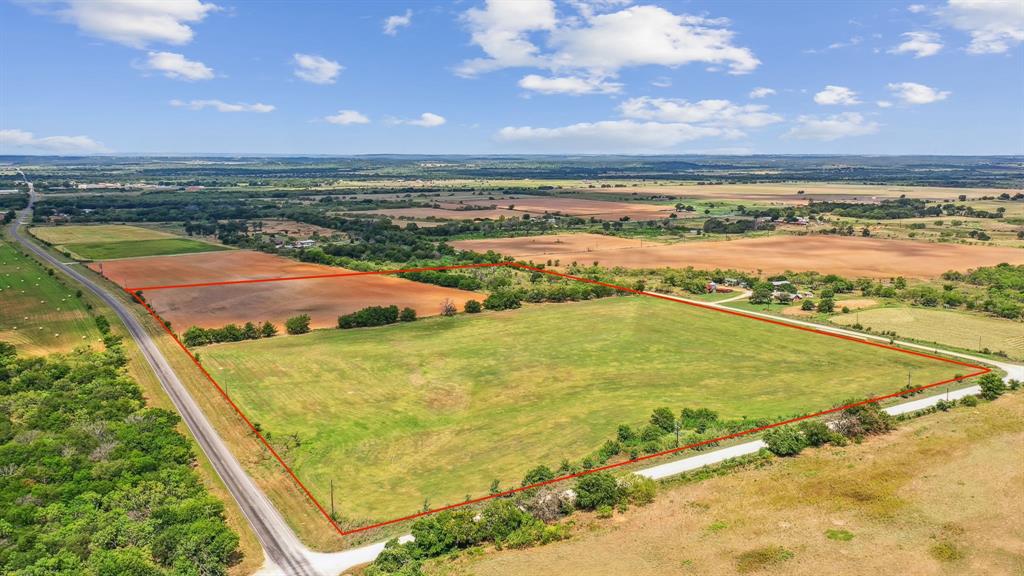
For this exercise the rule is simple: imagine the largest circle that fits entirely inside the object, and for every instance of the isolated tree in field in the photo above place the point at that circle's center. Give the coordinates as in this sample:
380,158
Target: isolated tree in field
664,419
807,306
407,315
448,307
826,305
297,324
992,386
473,307
268,330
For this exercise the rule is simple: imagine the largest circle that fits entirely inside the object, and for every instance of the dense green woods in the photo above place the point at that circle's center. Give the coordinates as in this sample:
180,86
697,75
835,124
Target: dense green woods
92,482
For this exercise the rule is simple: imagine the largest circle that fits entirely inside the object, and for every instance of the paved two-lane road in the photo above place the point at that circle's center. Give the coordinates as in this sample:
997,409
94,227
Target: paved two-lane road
281,547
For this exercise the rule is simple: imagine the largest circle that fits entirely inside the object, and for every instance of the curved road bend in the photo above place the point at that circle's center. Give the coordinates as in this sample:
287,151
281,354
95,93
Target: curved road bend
281,547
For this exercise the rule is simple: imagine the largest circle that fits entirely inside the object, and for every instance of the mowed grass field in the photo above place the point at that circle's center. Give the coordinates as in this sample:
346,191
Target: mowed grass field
109,241
435,410
946,327
38,314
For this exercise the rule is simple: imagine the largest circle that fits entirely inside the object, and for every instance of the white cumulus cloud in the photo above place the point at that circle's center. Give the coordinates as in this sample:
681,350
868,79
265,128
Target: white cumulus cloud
607,136
137,23
316,69
14,140
221,106
346,117
426,120
836,95
916,8
920,44
914,93
393,23
720,113
995,26
176,66
568,85
597,44
884,104
829,128
647,124
761,92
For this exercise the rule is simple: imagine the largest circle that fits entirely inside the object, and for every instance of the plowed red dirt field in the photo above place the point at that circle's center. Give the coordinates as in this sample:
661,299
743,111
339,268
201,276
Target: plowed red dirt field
214,306
841,255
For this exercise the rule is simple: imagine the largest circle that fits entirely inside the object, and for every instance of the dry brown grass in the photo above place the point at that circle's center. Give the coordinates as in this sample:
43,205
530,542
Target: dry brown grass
941,495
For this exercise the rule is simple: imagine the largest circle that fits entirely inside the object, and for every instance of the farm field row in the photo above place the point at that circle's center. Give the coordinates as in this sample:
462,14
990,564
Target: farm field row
403,414
38,314
111,241
846,256
215,306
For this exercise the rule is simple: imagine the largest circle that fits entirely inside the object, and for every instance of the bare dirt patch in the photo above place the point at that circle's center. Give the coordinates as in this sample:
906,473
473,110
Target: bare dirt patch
538,246
446,214
846,256
323,299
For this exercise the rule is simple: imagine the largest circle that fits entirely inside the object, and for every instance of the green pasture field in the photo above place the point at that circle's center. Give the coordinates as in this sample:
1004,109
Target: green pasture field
38,314
137,248
430,412
109,241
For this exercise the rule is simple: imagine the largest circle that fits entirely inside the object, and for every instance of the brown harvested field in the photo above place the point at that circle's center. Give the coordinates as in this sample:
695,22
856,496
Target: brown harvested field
580,207
323,299
846,256
446,214
789,192
536,246
293,228
941,495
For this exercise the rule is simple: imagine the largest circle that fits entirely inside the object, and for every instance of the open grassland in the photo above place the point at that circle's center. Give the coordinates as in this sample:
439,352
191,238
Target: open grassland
73,234
846,256
798,192
437,409
139,248
38,314
941,495
944,327
109,241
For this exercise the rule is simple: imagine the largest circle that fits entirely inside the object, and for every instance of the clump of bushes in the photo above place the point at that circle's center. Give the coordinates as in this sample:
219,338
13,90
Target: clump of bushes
196,336
297,324
444,278
370,316
473,307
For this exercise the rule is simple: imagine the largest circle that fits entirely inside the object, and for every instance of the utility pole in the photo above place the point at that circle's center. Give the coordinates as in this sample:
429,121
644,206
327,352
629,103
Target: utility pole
677,427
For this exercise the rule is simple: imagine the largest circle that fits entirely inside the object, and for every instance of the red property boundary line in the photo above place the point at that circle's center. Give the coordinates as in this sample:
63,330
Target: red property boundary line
980,370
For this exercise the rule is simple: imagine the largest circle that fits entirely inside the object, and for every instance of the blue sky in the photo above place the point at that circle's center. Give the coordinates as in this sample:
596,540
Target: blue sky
521,76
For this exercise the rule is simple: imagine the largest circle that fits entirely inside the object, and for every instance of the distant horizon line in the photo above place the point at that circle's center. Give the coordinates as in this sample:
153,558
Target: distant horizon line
1019,155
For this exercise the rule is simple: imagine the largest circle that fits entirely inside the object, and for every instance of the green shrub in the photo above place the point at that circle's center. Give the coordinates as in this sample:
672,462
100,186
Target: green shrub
946,552
992,386
396,560
370,316
664,419
598,489
473,307
605,511
502,300
501,518
538,474
297,324
639,490
785,441
969,401
407,315
816,432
